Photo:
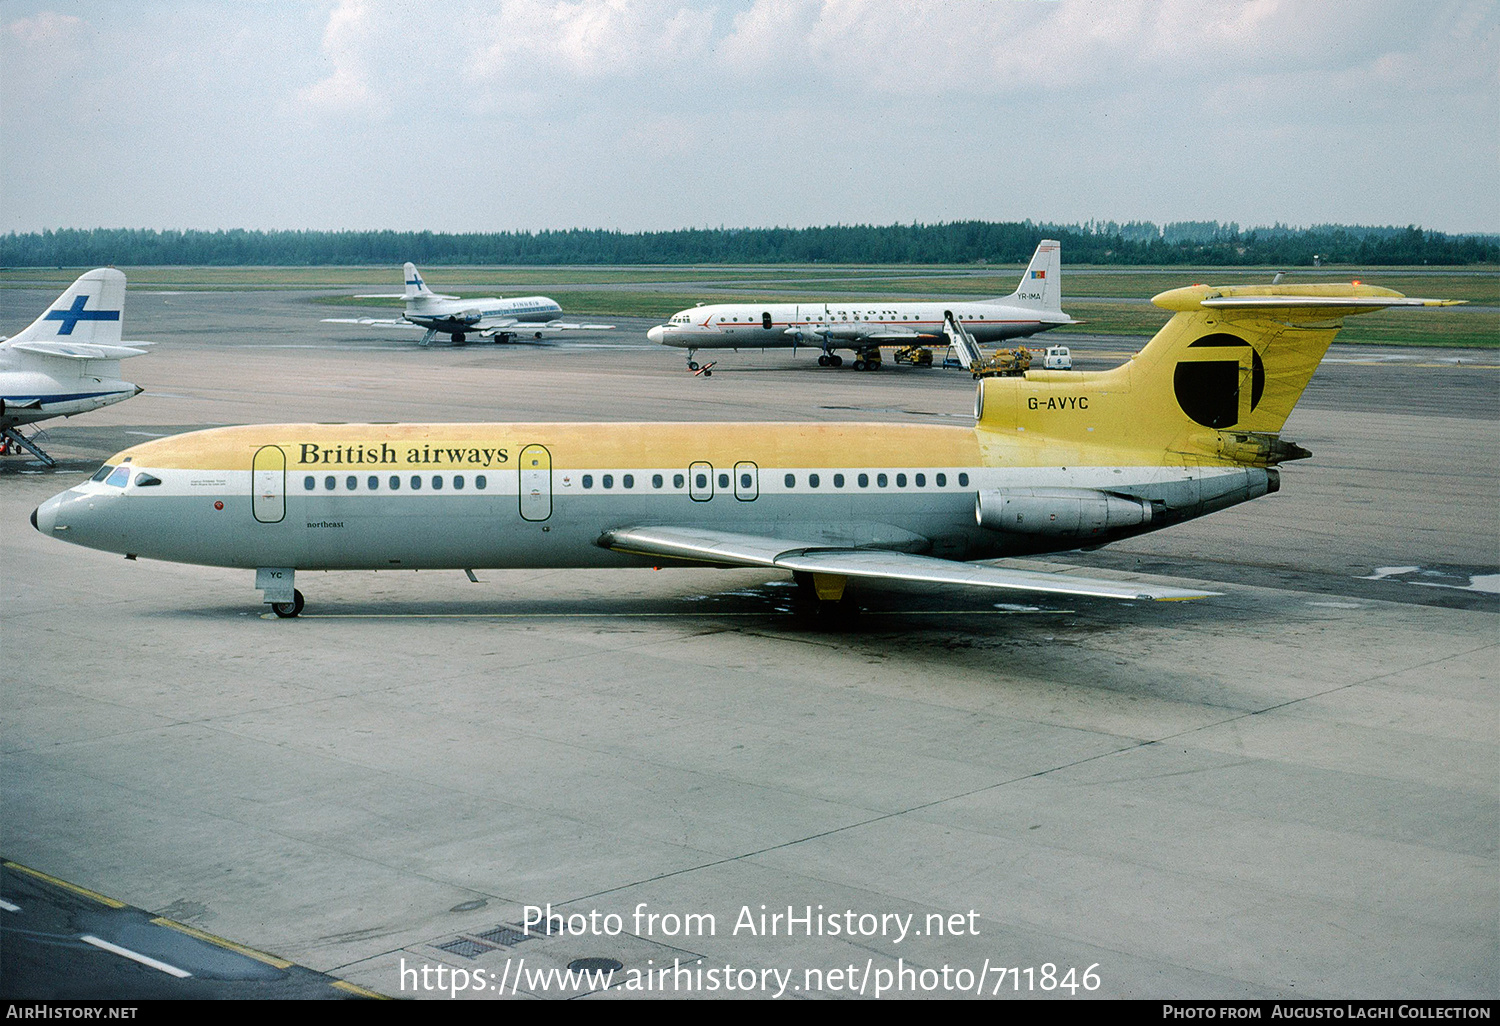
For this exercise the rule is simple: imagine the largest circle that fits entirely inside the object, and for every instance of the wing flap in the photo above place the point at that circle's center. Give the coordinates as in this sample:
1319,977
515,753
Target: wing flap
731,549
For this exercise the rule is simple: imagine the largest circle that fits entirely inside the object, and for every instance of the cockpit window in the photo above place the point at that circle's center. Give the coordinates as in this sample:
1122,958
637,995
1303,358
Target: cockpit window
102,473
119,477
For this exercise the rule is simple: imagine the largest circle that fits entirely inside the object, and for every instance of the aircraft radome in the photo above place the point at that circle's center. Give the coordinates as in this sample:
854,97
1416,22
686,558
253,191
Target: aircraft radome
500,319
67,361
1056,460
865,325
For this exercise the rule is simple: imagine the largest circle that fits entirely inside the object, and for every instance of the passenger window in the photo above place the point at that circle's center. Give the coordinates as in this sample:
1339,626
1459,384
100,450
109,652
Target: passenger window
791,480
838,480
351,482
437,481
942,480
864,480
881,480
702,480
416,482
812,480
628,480
395,483
921,480
723,480
330,482
744,480
458,482
655,480
374,483
309,483
480,481
900,480
677,480
963,480
609,480
104,471
588,480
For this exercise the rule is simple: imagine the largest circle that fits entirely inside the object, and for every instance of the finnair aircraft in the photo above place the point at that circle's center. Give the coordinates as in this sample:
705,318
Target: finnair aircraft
864,325
67,361
1055,460
500,319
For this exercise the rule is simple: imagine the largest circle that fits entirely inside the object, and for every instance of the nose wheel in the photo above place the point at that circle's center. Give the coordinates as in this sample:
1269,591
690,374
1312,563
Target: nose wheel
288,610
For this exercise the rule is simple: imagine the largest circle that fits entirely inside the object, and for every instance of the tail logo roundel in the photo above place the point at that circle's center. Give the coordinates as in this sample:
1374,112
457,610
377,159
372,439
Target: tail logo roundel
1211,377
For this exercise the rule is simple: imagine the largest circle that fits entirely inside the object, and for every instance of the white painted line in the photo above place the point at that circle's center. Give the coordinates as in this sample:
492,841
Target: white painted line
8,906
135,956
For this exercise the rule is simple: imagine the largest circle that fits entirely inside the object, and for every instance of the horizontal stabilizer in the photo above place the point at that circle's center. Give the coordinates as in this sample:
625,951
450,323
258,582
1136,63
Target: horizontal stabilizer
731,549
79,350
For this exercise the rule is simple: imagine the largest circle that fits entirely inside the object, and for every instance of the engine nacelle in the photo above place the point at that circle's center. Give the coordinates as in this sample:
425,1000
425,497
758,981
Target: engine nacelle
1083,513
464,318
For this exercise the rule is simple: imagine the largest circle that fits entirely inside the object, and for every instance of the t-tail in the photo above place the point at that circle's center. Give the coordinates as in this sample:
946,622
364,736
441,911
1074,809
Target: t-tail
1041,283
89,312
1213,387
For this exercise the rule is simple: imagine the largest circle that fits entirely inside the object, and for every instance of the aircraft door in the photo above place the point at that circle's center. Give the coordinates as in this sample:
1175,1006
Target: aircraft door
701,481
746,481
765,320
268,484
535,466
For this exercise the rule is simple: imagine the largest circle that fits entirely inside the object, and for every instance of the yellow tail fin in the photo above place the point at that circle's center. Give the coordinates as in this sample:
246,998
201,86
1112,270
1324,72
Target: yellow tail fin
1216,383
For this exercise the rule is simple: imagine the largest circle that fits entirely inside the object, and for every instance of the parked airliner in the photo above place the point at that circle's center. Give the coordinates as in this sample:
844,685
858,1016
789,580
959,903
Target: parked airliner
67,361
1055,460
500,319
864,325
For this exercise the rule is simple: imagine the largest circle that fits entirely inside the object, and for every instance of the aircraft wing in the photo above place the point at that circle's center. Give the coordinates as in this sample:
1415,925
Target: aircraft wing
385,322
730,549
79,350
492,326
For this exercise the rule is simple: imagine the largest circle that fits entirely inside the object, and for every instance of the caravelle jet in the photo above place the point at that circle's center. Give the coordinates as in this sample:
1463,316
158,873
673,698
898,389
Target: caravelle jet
67,361
1055,460
864,325
500,319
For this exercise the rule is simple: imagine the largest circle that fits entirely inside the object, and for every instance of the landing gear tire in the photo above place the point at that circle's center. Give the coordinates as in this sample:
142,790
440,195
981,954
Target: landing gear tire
859,364
834,360
288,610
692,365
458,339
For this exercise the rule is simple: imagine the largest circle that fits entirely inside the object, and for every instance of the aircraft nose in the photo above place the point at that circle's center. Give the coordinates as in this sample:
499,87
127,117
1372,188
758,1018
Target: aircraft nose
657,334
44,517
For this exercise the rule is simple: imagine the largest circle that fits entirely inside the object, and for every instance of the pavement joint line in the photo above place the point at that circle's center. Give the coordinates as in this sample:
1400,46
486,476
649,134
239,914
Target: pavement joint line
248,952
136,956
74,888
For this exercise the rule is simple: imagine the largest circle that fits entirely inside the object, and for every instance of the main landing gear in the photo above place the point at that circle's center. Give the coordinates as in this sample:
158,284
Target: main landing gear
823,595
864,359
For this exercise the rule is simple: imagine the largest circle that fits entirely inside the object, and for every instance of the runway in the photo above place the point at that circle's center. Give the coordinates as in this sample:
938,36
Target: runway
1287,791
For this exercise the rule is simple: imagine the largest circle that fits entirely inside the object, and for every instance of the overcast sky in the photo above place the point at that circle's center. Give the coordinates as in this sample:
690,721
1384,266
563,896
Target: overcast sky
633,114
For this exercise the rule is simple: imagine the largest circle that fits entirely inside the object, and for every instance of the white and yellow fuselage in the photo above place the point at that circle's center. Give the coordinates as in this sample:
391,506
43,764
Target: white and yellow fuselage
1055,460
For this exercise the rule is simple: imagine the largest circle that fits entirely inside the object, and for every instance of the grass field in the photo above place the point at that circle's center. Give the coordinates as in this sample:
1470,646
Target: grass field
1111,300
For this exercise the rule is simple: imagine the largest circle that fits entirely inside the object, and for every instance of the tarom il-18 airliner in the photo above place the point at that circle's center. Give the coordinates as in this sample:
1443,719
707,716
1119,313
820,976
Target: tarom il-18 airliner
865,325
1055,460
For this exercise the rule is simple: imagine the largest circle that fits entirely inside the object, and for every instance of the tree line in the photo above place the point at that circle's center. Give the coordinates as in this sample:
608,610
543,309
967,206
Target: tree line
1137,242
